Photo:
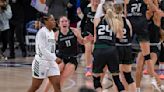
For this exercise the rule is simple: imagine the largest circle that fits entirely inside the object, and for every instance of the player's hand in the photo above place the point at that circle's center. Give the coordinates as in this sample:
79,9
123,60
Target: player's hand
58,61
88,38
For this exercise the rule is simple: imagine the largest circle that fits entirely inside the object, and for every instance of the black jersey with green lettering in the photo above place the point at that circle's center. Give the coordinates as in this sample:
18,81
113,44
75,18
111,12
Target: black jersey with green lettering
67,44
126,34
104,34
136,8
87,21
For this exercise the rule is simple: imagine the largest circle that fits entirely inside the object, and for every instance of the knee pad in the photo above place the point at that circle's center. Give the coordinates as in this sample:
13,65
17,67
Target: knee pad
118,83
96,82
128,77
147,57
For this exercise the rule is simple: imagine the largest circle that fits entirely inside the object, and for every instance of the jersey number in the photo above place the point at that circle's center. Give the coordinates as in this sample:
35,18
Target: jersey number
136,7
103,28
68,43
124,33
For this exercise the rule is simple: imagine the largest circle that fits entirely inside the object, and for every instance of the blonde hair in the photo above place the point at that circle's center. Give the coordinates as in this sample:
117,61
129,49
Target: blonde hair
110,16
119,13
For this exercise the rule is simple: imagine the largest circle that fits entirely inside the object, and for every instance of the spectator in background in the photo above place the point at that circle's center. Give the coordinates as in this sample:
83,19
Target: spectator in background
57,7
72,14
16,26
5,15
30,13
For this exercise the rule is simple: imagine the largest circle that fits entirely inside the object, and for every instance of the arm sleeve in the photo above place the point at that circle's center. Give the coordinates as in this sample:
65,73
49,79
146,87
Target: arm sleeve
43,47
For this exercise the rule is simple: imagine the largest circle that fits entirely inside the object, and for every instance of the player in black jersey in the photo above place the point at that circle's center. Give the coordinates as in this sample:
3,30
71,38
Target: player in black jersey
87,28
136,13
107,28
125,50
67,39
154,36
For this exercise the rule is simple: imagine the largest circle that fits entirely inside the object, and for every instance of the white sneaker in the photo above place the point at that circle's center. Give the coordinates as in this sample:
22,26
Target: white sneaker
155,85
138,90
107,83
161,88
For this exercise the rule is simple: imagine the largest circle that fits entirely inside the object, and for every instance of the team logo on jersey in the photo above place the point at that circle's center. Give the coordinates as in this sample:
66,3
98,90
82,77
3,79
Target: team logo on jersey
42,73
51,40
66,38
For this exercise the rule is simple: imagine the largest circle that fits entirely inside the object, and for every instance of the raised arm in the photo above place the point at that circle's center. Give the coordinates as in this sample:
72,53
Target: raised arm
96,22
77,33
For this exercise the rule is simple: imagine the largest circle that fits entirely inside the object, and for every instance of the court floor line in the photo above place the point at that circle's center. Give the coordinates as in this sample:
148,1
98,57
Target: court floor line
73,83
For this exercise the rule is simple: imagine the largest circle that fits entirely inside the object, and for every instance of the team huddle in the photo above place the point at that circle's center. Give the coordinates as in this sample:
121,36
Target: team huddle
107,30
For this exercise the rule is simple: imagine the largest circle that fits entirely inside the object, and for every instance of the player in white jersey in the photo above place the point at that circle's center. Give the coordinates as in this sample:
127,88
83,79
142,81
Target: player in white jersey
44,64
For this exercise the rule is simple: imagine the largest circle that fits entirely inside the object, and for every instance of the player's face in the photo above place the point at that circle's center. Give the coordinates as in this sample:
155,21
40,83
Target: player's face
51,22
63,23
95,2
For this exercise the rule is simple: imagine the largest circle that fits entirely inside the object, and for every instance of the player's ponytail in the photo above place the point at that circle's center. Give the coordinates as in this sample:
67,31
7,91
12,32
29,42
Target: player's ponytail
110,16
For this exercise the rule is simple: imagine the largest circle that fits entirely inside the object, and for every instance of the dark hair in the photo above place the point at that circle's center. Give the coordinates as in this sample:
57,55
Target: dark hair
4,7
45,17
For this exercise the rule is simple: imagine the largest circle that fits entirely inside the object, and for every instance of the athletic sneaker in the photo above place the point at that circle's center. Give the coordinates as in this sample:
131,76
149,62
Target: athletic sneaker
161,76
161,88
107,83
156,86
138,90
88,71
145,72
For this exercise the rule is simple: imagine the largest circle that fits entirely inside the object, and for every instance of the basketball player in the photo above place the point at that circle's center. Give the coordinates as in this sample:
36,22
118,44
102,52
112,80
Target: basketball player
125,50
136,13
87,28
106,29
44,64
67,39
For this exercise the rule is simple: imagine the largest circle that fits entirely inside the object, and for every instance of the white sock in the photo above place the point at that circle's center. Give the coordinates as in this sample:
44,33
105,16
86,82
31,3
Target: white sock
138,90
